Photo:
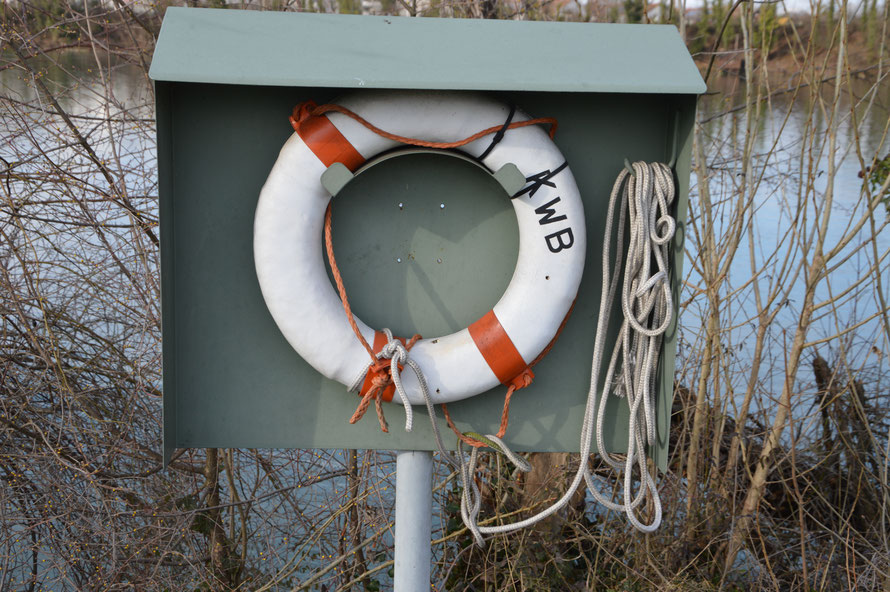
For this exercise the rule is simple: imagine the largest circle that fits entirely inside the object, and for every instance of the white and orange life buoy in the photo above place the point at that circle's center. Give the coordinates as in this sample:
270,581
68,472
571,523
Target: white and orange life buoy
495,349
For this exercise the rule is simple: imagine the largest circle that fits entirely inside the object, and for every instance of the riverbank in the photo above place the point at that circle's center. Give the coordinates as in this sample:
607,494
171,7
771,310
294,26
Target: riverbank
791,42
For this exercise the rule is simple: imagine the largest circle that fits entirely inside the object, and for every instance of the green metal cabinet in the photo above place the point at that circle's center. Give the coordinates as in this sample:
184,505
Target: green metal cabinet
226,82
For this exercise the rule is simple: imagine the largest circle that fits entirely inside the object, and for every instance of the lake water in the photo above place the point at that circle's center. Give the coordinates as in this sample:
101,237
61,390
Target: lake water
788,158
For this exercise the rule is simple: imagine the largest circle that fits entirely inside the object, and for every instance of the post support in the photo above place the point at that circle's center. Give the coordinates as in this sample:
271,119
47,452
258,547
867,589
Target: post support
414,509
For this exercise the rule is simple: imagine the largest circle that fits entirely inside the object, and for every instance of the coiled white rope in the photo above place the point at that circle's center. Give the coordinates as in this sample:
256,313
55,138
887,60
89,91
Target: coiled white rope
647,306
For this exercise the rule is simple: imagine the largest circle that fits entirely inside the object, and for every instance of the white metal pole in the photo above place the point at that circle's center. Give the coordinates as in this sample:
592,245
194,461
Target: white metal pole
414,515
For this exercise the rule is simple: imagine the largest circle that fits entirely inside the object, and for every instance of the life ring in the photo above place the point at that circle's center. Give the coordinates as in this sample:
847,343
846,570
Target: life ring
495,349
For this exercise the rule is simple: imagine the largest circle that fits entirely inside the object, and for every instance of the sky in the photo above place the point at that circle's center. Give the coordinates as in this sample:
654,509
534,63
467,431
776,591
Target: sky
791,5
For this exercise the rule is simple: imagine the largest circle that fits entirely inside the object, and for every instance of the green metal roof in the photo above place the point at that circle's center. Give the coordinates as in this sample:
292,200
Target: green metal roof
350,51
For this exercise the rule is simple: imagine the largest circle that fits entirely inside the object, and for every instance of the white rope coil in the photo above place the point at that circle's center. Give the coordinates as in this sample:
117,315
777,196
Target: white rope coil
643,200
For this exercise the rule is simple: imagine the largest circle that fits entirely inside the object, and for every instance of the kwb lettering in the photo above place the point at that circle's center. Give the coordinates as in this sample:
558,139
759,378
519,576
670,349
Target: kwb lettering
539,180
547,213
561,239
556,243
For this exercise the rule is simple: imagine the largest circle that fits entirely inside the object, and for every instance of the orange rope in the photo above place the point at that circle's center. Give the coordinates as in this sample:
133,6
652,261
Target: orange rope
378,407
505,420
310,109
338,279
380,382
363,407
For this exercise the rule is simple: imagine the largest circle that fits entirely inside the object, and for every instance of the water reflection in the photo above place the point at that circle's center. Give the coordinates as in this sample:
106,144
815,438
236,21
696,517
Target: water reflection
81,81
788,185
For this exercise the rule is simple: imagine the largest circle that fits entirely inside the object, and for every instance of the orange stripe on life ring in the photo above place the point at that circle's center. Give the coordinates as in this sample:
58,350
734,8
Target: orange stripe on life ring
324,139
389,391
497,348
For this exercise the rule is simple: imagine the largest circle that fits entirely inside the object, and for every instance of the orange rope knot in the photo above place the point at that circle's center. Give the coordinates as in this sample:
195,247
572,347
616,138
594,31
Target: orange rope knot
301,113
522,380
378,385
379,375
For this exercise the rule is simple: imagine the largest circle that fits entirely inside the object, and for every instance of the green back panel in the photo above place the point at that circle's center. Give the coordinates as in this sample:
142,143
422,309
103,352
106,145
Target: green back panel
231,379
